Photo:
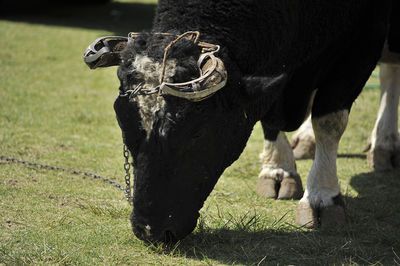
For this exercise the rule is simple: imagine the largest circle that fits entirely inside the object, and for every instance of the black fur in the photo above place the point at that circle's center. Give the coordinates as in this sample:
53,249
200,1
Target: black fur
276,52
394,31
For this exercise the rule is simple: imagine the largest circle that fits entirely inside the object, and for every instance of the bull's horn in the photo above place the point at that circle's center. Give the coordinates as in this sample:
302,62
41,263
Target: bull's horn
105,51
213,77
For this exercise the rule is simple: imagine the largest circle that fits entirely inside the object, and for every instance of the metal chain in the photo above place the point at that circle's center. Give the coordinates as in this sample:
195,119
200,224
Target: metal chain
139,90
127,167
126,190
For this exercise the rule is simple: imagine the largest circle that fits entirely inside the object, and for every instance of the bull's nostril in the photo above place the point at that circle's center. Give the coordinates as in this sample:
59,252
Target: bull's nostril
139,231
145,232
169,236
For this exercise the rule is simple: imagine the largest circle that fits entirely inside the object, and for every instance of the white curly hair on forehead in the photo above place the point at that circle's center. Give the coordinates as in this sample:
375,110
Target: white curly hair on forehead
150,72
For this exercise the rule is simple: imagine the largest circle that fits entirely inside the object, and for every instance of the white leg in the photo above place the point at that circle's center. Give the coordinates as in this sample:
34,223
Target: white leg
278,177
303,141
384,150
322,202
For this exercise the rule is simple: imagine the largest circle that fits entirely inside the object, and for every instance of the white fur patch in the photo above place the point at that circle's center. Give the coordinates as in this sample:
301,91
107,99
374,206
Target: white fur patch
385,133
322,181
149,74
277,159
278,154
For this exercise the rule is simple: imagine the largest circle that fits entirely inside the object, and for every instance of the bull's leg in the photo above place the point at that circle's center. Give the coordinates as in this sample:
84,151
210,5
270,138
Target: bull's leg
278,177
322,202
384,150
303,141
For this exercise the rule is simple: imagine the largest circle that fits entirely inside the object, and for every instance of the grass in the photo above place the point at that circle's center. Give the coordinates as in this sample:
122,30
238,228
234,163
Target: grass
54,110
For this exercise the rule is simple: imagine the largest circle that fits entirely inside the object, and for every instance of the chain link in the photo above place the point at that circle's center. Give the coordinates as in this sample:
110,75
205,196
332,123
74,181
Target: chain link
139,90
126,190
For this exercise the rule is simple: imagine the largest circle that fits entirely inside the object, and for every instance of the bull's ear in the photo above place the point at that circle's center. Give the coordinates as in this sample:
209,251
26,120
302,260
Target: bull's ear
129,121
259,86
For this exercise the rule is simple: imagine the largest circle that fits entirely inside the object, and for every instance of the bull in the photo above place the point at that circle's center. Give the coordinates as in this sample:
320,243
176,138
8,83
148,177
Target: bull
193,88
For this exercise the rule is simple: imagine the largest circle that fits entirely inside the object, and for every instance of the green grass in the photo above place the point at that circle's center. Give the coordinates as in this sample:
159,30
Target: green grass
54,110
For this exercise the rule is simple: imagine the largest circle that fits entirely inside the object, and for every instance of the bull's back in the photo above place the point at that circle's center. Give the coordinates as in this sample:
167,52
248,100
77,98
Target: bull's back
264,35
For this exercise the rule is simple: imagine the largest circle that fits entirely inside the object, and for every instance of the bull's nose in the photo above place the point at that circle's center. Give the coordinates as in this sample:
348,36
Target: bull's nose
147,233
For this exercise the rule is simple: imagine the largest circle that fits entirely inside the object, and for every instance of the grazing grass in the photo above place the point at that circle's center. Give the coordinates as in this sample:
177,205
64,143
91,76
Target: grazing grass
54,110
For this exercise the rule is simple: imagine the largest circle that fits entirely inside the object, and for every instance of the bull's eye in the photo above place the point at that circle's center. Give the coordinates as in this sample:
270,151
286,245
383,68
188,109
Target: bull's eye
197,135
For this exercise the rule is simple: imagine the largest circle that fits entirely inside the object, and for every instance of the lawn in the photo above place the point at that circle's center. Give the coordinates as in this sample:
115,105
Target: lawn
54,110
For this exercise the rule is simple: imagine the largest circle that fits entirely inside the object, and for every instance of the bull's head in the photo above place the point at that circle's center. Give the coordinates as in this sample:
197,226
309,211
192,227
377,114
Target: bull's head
181,139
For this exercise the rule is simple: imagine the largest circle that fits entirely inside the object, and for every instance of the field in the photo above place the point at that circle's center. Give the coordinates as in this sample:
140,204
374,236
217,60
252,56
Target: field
54,110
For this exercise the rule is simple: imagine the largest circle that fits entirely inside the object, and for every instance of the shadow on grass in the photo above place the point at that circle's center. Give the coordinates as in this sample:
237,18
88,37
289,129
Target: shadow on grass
345,155
352,155
114,17
370,236
378,200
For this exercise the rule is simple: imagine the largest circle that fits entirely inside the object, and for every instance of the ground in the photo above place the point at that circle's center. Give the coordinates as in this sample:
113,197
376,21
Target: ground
54,110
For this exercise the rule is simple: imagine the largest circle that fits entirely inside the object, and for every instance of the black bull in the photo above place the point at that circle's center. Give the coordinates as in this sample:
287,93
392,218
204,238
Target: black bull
276,53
